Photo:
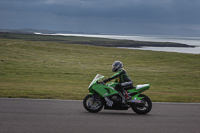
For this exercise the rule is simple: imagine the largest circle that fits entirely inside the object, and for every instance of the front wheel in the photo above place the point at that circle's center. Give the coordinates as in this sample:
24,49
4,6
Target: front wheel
92,104
144,107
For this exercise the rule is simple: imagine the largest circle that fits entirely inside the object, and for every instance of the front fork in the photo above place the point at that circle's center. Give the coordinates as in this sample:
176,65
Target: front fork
94,97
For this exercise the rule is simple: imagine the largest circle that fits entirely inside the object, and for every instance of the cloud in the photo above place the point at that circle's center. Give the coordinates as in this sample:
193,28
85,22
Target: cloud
99,14
141,10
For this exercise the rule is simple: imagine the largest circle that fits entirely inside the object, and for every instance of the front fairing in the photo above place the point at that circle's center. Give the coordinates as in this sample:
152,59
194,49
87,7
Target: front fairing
102,90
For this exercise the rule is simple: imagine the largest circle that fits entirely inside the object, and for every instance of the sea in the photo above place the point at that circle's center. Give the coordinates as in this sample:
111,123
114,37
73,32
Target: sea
193,41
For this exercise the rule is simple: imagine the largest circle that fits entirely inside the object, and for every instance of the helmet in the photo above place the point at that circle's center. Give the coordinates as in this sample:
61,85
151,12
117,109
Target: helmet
116,66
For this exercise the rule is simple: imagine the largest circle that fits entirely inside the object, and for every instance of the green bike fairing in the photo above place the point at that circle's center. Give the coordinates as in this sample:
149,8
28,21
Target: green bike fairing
108,89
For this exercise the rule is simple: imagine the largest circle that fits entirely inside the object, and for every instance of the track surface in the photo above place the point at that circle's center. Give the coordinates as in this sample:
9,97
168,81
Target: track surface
60,116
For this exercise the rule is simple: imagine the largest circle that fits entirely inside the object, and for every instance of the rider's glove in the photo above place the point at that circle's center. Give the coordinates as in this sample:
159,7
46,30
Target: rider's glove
105,80
101,83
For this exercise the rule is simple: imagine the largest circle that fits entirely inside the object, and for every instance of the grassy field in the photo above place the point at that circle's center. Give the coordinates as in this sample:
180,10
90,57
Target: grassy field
45,69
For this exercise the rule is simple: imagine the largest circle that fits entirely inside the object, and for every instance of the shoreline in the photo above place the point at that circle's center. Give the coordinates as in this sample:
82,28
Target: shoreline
195,50
124,42
90,40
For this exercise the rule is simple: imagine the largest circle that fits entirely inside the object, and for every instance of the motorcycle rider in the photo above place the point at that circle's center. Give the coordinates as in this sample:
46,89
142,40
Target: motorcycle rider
124,81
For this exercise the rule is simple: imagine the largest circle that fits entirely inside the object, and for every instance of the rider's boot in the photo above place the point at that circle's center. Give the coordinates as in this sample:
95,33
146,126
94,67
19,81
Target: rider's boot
123,98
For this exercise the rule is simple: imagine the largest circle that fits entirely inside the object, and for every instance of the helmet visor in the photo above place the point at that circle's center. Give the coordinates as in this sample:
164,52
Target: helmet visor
114,67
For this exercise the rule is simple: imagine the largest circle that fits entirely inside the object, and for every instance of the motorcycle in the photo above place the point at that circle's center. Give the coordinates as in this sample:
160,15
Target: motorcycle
104,95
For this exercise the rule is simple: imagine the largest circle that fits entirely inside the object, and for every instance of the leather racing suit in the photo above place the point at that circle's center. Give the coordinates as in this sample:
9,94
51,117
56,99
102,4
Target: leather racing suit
124,81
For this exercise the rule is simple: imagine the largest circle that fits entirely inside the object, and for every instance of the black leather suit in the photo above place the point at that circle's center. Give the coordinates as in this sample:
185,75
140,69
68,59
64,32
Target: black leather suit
124,81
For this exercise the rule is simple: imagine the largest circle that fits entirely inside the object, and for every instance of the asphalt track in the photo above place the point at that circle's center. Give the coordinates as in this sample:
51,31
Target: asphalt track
61,116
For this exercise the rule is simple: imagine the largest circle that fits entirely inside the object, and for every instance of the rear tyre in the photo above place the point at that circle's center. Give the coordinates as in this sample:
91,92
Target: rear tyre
91,104
144,107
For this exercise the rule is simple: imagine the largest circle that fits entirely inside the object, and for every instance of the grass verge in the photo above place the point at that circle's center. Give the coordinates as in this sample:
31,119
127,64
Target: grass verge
52,70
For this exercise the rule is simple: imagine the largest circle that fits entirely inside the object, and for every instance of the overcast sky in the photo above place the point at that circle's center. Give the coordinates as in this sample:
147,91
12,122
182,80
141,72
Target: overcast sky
103,16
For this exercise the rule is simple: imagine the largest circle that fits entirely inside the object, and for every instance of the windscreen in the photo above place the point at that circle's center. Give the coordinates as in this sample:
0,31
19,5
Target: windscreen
97,77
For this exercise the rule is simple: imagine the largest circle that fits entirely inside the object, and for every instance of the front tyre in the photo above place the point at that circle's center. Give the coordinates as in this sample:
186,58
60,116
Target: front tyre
144,107
92,104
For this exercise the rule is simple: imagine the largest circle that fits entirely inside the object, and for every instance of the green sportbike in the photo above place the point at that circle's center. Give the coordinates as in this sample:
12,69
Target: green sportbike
104,95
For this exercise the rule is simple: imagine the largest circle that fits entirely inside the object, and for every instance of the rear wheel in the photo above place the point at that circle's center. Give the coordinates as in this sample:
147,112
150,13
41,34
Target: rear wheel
92,104
144,107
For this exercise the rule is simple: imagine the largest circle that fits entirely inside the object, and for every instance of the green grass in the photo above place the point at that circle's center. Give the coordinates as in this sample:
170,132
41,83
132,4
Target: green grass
50,70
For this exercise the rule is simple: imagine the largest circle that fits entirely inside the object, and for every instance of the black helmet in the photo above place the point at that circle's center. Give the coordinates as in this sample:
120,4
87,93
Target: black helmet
116,66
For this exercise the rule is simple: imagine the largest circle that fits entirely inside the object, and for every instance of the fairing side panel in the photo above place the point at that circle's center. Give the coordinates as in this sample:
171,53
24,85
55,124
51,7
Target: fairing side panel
104,90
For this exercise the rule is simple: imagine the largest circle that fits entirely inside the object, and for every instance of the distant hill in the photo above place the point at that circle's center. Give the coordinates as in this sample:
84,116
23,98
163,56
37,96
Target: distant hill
32,31
88,40
148,31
